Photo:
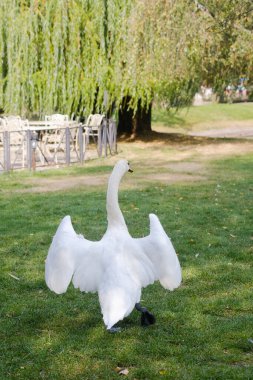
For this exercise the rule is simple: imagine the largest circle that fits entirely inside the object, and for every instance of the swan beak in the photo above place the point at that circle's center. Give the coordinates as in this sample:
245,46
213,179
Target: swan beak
130,170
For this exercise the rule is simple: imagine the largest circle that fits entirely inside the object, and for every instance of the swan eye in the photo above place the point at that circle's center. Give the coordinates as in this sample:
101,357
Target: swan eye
129,169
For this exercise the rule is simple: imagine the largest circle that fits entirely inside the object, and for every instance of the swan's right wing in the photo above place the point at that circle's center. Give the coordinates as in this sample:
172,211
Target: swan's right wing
71,256
160,251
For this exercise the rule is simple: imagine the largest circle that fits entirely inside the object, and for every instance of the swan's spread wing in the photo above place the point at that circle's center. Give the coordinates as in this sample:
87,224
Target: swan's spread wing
89,268
68,254
159,249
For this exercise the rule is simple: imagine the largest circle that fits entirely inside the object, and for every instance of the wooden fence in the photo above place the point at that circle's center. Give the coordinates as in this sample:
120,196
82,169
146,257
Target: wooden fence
53,146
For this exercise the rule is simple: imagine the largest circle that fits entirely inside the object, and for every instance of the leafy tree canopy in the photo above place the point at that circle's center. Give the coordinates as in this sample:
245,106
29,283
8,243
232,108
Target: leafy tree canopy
66,55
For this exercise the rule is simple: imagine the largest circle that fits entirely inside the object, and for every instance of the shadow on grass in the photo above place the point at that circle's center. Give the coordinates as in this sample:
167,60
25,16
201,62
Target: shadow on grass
175,138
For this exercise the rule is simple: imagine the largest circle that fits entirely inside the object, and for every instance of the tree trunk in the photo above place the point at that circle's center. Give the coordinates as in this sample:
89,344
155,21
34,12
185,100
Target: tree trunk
134,124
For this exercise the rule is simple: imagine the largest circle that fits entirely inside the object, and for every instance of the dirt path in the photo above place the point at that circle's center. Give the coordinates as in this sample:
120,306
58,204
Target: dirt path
164,161
237,130
218,129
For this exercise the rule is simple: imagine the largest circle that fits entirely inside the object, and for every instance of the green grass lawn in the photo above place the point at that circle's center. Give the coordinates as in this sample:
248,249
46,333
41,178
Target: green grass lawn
202,116
204,328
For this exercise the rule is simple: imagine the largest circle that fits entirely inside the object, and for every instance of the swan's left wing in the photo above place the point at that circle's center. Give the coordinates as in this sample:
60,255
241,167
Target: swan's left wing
72,256
160,251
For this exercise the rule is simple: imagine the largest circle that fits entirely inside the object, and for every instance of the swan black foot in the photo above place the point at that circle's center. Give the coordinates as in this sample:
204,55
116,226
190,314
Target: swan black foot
114,330
147,318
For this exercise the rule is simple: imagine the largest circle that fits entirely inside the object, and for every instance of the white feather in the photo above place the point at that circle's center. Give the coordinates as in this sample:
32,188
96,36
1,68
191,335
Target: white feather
118,266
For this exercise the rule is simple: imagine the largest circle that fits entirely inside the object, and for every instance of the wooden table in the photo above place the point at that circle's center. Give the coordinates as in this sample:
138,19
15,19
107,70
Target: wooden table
42,125
51,137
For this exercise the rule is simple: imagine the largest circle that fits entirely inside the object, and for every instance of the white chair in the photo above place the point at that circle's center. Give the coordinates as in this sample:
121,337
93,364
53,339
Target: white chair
53,138
92,127
17,128
14,124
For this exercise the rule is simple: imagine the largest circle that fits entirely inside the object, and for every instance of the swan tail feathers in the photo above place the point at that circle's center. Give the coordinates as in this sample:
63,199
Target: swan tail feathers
117,298
60,263
115,305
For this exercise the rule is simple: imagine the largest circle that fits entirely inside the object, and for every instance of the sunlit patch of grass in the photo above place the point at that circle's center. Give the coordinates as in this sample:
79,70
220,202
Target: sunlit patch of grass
187,118
203,329
76,170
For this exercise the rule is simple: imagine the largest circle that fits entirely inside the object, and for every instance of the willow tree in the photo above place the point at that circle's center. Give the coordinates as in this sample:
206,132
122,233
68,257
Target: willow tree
52,58
83,56
65,55
178,45
166,39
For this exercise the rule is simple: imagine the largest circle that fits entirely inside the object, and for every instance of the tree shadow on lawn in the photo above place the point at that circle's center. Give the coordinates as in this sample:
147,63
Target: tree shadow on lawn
173,138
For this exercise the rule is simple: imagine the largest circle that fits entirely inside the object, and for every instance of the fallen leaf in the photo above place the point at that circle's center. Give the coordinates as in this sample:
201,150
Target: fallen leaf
163,372
15,277
122,371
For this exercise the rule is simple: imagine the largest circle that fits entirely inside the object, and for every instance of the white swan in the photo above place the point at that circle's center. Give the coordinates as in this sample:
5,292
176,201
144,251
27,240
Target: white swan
118,266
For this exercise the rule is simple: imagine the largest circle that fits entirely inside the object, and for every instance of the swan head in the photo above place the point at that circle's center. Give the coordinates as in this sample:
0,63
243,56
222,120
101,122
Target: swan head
123,166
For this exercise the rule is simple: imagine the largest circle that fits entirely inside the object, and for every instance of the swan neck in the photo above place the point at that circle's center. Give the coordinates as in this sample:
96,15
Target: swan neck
114,214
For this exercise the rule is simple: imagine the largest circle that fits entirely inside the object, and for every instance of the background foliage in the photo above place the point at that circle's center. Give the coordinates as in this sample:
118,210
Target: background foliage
64,55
